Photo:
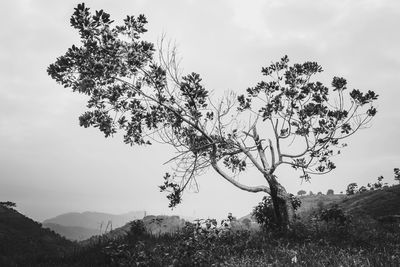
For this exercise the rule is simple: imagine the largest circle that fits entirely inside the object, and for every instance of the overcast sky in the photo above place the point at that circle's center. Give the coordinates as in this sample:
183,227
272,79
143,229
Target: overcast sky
49,165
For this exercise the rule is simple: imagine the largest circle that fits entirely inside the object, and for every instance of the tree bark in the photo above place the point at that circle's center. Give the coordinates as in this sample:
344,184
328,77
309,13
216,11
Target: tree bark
283,207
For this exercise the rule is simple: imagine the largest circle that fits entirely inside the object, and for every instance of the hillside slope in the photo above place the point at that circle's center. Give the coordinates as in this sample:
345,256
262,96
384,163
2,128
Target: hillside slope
23,241
376,204
318,201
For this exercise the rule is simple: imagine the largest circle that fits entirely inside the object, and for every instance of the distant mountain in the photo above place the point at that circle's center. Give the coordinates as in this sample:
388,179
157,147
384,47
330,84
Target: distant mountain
94,220
75,233
80,226
24,242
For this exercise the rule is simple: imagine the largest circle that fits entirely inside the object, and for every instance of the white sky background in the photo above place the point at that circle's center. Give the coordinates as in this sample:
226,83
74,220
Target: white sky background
49,165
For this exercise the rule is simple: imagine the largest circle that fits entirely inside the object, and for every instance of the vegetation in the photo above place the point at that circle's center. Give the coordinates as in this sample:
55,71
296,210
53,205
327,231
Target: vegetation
397,174
342,231
8,204
148,100
23,241
265,215
351,189
323,243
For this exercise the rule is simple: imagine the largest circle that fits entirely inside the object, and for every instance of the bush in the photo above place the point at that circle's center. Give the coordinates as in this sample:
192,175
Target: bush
264,212
137,230
334,215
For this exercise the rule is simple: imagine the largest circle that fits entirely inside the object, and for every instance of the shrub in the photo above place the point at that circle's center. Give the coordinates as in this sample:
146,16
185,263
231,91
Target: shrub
137,230
264,212
334,214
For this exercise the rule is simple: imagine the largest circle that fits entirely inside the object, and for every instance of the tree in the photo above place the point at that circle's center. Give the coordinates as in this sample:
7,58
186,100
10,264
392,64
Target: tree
144,96
351,189
397,174
301,192
330,192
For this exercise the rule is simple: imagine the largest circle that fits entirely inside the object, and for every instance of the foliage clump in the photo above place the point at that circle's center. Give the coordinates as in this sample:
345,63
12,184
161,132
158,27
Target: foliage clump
334,215
265,215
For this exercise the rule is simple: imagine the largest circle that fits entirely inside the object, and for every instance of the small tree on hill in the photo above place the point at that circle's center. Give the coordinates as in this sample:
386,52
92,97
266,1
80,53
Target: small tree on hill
376,186
397,174
330,192
351,189
145,97
301,192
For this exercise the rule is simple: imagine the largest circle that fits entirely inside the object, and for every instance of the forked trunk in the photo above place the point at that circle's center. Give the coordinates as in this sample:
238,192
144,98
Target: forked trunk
283,207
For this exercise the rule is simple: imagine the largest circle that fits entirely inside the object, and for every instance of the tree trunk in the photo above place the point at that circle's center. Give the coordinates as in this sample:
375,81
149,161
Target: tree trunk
283,208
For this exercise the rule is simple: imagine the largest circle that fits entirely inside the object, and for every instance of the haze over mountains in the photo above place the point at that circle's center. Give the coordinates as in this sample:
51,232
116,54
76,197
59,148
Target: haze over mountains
81,226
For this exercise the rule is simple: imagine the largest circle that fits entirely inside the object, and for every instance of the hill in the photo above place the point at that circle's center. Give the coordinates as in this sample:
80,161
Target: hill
376,204
80,226
93,220
24,241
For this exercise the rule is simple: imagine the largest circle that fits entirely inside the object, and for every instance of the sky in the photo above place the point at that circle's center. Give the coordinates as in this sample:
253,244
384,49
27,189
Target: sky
50,165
